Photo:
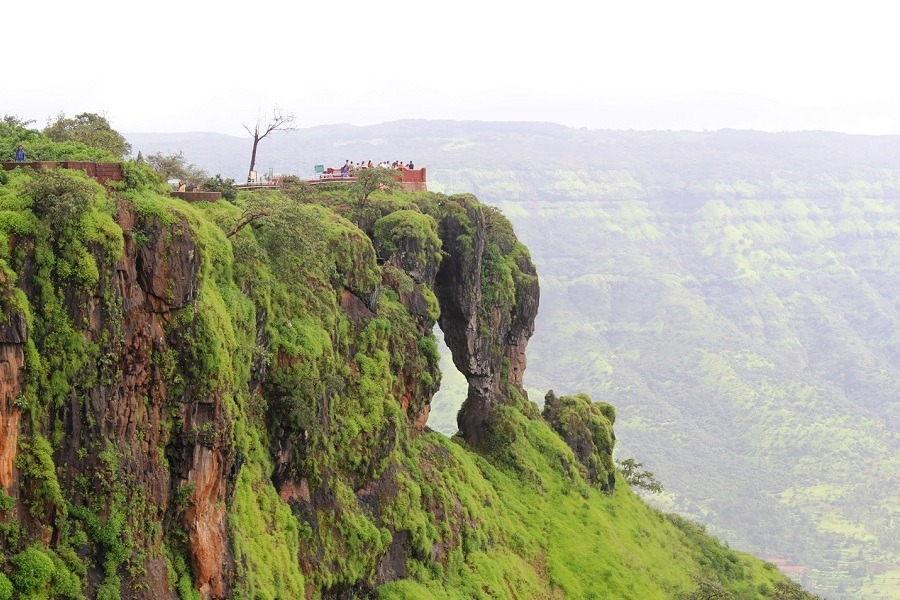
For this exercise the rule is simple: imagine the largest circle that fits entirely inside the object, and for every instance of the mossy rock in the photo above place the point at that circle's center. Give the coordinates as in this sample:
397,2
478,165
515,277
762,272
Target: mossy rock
409,240
32,570
587,428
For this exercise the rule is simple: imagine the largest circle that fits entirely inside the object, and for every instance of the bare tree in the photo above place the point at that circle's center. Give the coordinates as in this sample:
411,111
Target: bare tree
280,121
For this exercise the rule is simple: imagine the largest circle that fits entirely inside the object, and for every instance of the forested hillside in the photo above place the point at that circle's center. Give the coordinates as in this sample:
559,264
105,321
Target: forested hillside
734,294
744,312
753,346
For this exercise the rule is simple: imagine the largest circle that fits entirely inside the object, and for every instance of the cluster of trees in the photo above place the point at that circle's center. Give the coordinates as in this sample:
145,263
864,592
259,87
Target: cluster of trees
94,131
90,129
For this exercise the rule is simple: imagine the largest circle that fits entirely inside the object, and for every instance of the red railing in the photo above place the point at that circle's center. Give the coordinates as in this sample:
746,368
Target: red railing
409,178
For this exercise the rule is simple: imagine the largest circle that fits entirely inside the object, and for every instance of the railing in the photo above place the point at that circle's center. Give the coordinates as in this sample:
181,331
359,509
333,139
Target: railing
270,184
409,178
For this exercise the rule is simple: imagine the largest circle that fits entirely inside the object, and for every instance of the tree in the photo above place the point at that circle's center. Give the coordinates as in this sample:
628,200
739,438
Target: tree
223,186
640,479
369,180
280,121
175,166
15,121
790,590
256,206
90,129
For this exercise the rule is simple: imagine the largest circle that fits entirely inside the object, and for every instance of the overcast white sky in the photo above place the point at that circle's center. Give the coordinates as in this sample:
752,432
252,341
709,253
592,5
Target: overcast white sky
168,66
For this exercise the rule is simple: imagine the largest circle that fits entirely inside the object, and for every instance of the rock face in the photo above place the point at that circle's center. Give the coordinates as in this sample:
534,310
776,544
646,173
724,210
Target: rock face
121,415
180,395
13,335
488,291
587,428
156,279
408,243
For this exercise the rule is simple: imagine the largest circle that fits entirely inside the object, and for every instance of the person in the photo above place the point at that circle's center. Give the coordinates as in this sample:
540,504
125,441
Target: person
20,154
345,169
182,186
410,166
369,165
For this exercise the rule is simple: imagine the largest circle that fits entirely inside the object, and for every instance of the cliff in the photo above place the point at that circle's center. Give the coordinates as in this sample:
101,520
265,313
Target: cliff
229,401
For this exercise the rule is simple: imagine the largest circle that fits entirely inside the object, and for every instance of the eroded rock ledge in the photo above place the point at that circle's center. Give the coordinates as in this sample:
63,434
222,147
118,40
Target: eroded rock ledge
488,291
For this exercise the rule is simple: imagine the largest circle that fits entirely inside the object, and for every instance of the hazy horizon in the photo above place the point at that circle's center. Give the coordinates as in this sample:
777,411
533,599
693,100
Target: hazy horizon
244,135
697,65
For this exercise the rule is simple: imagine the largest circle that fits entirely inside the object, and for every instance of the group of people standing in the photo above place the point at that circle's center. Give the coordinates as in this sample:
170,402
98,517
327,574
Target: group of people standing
349,166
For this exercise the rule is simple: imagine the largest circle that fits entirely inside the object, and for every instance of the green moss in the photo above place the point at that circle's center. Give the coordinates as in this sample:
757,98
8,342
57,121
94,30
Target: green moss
32,570
65,583
180,577
588,428
6,588
35,461
266,540
408,229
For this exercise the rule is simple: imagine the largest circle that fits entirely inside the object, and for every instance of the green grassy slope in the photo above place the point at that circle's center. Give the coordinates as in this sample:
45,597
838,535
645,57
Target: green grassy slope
554,538
751,343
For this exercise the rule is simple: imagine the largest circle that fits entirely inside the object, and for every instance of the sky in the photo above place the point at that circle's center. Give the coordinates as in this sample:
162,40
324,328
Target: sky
168,66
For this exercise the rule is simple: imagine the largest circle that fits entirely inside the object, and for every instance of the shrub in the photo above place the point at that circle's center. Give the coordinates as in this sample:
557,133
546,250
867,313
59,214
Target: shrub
217,184
6,588
58,198
33,570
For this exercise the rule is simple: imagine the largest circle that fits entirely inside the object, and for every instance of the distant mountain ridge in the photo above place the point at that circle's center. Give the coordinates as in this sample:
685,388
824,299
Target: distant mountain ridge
455,144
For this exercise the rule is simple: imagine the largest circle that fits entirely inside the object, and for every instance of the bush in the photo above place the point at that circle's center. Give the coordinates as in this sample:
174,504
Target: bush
217,184
33,570
59,198
141,176
6,588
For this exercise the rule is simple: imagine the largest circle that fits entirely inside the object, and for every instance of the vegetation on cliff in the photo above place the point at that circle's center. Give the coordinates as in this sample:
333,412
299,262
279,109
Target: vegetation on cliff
732,293
187,412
